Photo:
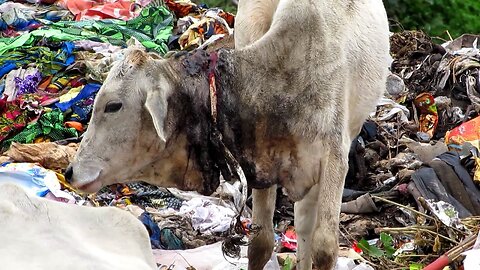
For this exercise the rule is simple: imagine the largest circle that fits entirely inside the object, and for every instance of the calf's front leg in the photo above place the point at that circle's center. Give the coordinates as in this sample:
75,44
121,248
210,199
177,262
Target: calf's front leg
325,236
305,221
317,214
261,245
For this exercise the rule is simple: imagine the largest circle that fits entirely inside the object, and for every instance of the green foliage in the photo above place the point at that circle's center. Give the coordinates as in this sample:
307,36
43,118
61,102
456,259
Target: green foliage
387,242
435,17
370,250
288,265
226,5
416,266
373,251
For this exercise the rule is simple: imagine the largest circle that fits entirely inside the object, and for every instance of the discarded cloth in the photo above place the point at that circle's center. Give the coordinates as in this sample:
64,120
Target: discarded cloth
452,158
11,89
430,187
102,9
155,197
455,186
84,93
14,115
98,47
81,110
152,228
29,84
182,8
50,124
151,28
48,61
53,86
18,17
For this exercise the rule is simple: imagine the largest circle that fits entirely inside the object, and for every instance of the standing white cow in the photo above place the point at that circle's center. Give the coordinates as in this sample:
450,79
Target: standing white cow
290,98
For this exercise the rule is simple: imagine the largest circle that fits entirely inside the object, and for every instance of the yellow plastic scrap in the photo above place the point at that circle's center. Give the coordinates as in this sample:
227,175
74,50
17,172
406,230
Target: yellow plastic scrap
476,174
61,179
42,139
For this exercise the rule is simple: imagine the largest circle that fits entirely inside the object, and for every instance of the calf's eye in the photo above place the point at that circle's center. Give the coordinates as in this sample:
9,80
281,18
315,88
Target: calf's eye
113,106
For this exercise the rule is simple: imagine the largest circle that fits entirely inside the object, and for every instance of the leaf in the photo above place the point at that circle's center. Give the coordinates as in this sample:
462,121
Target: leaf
387,242
416,266
370,250
287,265
438,245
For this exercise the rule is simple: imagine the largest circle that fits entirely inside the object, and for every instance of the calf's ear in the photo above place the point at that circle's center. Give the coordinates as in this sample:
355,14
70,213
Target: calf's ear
156,104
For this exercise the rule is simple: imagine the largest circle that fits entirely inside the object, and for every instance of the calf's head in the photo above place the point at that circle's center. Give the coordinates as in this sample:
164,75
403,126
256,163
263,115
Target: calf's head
130,130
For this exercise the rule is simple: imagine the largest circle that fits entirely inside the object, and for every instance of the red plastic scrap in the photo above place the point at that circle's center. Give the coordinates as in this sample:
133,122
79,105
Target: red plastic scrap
356,248
289,239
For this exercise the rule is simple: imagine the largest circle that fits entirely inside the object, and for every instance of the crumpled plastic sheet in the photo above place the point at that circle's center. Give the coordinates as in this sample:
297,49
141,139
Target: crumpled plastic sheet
344,263
227,195
466,132
446,213
34,179
207,217
207,257
388,108
48,154
405,248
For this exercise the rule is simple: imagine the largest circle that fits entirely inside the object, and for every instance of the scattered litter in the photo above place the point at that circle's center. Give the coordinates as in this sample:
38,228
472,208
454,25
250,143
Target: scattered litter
411,193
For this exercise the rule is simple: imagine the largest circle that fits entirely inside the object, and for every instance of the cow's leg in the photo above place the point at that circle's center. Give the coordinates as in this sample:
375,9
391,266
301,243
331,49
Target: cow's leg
261,246
325,237
305,220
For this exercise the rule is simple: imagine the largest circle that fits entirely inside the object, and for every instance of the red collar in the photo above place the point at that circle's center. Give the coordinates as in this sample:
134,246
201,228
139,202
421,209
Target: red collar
213,86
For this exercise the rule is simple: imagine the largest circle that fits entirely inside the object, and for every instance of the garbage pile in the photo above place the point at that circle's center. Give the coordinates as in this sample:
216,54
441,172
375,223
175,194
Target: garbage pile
411,194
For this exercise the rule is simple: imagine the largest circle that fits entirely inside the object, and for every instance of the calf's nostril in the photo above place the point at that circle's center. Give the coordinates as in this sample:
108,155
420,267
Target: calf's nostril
69,174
